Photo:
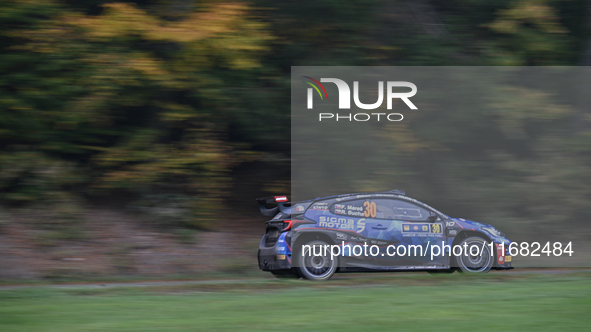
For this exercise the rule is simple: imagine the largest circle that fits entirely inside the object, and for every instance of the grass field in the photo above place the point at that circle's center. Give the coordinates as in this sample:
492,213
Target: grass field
368,303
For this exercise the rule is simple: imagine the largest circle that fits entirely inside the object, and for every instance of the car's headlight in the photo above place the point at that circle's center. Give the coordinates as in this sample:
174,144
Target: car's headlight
493,231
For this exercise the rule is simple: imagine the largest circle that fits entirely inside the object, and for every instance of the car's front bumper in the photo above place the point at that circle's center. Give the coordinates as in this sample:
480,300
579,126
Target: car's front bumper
503,257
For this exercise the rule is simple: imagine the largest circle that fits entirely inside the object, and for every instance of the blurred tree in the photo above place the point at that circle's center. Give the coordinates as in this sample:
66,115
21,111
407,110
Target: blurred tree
138,102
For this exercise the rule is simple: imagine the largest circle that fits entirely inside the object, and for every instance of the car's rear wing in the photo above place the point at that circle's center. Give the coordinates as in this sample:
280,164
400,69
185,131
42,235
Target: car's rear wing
282,202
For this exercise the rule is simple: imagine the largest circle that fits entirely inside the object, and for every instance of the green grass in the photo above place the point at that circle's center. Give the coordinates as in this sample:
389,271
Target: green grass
384,303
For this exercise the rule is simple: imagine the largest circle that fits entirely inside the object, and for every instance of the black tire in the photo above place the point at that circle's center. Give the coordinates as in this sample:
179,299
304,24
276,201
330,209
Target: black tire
317,268
475,264
289,274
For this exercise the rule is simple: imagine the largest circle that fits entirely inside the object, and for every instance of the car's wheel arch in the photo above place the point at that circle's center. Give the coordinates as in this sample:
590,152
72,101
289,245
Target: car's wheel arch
462,235
469,233
307,236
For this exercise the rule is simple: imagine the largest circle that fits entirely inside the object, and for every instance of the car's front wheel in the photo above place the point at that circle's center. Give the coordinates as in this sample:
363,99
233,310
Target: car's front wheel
478,259
316,263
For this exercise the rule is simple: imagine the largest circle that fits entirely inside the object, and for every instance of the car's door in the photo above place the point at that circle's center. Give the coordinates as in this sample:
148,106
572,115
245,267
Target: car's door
367,217
412,229
371,230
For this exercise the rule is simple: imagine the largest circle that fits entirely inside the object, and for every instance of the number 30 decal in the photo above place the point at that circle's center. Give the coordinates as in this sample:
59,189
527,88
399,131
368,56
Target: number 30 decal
435,228
370,209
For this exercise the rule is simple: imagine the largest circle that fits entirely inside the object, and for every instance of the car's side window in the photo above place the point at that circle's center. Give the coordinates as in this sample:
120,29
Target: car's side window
397,209
380,208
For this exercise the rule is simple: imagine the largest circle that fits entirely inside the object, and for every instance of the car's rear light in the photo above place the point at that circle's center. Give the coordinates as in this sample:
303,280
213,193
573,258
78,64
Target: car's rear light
286,225
280,225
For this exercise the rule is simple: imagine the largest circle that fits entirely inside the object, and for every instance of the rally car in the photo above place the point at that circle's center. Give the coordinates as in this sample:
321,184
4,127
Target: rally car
379,231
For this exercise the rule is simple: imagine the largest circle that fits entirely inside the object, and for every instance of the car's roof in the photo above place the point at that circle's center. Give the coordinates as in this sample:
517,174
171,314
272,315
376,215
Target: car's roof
394,191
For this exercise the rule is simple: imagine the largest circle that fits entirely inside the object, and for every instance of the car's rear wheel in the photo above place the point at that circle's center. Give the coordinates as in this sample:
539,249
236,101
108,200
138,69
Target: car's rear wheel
316,263
478,259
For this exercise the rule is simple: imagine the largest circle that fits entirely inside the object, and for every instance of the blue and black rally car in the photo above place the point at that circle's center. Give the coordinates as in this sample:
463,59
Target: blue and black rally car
380,231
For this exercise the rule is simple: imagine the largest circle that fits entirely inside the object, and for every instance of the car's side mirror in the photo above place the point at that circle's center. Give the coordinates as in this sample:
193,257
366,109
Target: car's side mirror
432,218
